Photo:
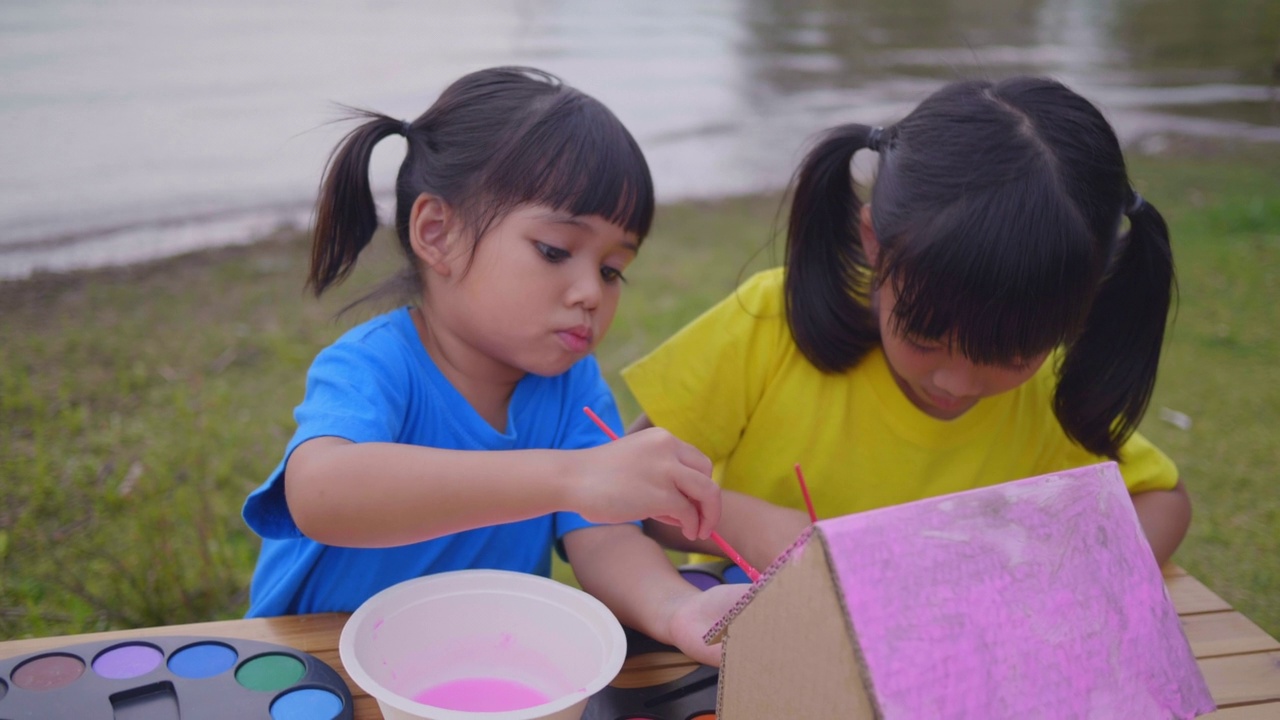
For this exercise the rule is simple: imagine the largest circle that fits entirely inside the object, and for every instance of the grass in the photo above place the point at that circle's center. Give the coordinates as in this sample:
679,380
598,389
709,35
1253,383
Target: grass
1220,368
138,406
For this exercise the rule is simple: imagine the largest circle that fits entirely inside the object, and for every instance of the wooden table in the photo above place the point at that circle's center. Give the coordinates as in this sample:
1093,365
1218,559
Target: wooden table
1240,662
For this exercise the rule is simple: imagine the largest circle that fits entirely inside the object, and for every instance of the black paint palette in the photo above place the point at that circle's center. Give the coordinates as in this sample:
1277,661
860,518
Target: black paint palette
172,678
682,690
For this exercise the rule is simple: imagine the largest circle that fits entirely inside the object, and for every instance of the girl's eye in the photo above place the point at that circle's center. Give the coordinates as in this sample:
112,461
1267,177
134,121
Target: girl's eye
611,275
551,252
921,347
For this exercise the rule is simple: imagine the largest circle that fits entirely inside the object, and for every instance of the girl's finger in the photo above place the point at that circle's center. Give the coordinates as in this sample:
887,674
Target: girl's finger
692,457
673,520
705,495
687,514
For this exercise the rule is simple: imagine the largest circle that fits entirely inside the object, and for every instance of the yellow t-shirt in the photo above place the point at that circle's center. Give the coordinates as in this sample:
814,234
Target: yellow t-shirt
734,384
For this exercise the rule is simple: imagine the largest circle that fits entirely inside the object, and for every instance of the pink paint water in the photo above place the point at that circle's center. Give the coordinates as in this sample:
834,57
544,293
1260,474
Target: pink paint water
481,694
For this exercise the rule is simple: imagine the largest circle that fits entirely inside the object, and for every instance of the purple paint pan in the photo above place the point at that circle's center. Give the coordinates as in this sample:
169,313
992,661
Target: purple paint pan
711,574
172,678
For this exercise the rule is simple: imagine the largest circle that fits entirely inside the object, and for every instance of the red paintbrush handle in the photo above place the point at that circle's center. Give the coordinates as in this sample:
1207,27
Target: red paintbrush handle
735,557
804,489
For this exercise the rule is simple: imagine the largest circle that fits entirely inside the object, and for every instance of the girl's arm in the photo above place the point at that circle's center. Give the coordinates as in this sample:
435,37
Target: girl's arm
388,494
1165,516
630,574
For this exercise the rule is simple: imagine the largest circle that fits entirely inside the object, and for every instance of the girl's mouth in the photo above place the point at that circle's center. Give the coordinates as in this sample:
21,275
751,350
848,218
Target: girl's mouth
577,340
947,405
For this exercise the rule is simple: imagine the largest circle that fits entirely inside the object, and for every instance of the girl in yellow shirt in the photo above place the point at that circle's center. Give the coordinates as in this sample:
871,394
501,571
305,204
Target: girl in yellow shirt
986,316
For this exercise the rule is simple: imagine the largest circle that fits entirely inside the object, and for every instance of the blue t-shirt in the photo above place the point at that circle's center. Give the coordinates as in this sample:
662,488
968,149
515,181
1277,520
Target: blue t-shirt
378,384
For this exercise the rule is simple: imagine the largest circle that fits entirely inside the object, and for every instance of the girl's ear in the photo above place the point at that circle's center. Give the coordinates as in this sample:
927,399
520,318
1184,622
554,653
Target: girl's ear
867,234
431,232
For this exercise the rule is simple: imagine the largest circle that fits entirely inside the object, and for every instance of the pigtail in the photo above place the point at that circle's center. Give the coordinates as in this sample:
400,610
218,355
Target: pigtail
346,216
1108,373
827,275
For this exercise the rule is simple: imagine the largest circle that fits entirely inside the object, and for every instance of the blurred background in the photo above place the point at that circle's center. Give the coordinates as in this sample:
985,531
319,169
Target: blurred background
158,163
139,129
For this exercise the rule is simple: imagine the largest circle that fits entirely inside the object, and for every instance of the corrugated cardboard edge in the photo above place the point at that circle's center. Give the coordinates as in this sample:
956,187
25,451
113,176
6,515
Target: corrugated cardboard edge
859,660
716,633
808,569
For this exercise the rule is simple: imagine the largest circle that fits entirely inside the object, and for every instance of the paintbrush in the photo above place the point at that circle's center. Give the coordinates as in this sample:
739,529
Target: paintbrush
808,502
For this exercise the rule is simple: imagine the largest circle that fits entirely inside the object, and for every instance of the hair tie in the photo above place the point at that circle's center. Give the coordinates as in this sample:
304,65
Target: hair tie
405,127
1135,205
873,138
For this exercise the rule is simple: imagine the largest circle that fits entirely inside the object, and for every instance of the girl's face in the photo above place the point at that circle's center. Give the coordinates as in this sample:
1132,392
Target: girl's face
941,382
540,293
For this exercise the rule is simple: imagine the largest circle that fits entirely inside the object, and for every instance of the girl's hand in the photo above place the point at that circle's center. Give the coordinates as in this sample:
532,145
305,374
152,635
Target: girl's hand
649,474
696,614
757,528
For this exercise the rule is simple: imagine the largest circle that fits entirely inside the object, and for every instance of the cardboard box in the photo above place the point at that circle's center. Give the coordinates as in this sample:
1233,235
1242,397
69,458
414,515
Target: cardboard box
1033,599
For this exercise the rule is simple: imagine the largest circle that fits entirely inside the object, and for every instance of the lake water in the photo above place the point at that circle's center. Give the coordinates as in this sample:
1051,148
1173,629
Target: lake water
136,129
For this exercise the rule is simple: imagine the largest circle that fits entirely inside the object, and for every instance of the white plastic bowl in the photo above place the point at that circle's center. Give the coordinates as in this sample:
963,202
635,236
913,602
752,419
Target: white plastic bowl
467,624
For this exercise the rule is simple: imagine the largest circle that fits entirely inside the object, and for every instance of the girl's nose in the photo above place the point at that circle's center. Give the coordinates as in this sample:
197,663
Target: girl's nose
586,291
959,379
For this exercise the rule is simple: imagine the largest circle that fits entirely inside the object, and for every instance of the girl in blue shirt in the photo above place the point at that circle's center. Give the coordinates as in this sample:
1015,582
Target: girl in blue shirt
450,433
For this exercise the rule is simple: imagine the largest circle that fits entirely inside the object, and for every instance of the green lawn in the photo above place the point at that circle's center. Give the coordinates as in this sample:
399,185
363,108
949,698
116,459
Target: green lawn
138,406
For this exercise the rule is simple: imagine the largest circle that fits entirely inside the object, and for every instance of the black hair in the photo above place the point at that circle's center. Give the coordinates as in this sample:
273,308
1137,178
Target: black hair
998,207
495,139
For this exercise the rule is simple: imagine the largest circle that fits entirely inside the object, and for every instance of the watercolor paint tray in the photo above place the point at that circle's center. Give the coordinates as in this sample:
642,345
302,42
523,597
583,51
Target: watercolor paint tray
678,688
172,678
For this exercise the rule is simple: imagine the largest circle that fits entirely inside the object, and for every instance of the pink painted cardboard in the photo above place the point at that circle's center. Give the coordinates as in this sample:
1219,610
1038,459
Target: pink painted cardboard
1036,598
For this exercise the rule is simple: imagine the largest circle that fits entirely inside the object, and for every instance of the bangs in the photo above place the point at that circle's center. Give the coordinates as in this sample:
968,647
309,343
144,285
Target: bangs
577,158
1001,275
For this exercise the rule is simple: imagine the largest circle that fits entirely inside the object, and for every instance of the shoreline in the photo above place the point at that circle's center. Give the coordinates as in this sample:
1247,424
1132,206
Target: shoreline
42,282
248,227
288,232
